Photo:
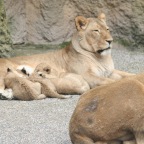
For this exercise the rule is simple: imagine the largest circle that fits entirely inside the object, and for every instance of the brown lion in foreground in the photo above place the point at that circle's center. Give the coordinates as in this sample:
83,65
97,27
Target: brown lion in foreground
110,114
88,55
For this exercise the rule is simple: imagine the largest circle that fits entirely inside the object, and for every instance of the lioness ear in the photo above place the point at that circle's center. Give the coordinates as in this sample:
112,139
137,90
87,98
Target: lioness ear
81,22
102,17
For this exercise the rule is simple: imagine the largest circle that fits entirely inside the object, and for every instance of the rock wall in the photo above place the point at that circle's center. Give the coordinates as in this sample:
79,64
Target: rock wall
5,42
47,21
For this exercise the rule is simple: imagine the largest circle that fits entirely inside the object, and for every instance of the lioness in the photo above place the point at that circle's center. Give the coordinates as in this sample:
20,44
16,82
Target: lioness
89,54
65,83
112,114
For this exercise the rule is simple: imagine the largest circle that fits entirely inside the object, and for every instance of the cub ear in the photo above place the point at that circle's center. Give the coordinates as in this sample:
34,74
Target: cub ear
9,70
81,23
102,17
24,71
47,69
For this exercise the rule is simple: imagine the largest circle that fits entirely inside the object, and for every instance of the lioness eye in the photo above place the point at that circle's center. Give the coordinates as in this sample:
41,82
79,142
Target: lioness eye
96,30
107,29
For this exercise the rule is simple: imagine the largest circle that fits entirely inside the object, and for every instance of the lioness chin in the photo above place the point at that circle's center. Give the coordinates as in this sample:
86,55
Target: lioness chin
88,55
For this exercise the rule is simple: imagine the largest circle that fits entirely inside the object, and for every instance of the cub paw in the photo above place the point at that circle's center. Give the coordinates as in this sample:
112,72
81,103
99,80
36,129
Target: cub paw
7,94
67,96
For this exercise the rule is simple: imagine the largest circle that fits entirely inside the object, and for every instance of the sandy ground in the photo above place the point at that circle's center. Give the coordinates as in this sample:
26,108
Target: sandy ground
47,121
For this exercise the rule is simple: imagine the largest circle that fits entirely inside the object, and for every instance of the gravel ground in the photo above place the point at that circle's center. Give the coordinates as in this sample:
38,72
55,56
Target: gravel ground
46,121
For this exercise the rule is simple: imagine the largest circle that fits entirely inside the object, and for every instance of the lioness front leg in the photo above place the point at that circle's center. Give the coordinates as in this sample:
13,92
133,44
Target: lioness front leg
117,74
94,81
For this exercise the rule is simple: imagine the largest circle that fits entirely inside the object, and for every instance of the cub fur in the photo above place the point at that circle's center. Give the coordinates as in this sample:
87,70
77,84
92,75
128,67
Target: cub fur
30,89
65,83
22,88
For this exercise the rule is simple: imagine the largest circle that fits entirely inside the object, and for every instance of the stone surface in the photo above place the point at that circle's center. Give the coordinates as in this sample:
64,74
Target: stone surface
5,42
46,21
47,121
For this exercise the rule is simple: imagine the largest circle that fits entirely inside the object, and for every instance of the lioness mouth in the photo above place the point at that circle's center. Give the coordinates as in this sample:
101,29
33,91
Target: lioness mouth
100,51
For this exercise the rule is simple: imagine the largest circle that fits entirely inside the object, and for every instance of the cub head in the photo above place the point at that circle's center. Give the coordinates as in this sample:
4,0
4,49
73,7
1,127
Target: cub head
93,34
14,73
10,77
45,71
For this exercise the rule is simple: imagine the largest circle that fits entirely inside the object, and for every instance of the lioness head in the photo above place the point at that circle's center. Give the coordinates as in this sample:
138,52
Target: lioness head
93,34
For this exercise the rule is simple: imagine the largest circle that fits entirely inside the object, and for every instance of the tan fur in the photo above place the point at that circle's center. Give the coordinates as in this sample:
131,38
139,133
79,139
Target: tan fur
70,83
112,113
44,70
65,83
30,88
22,88
48,88
84,56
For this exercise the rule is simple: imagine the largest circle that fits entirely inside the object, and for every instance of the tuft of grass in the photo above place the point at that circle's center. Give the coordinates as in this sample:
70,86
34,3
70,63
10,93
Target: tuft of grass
64,44
29,49
40,46
130,45
123,42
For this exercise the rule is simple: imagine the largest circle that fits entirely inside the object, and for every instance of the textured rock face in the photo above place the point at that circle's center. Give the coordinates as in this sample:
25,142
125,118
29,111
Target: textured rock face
5,45
46,21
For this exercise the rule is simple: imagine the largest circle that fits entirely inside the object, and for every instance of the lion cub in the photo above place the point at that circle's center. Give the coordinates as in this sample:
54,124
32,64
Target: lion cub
22,88
65,83
30,89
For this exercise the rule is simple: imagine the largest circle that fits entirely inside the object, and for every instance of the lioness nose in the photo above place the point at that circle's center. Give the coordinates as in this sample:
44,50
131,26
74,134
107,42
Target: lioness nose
109,41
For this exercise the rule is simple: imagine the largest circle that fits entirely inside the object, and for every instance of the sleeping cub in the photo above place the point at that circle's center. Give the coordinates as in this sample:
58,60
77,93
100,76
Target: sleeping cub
22,88
29,89
65,83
